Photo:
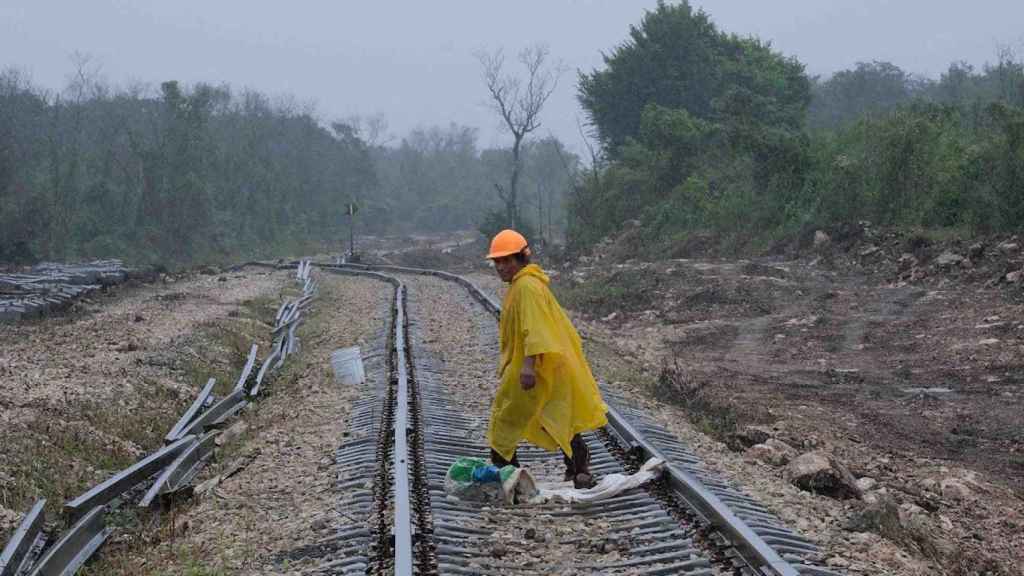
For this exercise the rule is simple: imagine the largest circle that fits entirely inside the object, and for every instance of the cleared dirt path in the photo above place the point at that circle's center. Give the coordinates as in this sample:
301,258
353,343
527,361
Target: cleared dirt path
843,365
627,351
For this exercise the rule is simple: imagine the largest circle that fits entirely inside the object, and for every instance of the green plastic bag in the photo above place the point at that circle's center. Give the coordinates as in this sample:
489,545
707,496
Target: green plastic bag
461,483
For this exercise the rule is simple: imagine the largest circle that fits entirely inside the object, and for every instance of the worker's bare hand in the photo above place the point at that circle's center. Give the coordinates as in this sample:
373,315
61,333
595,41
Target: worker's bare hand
527,380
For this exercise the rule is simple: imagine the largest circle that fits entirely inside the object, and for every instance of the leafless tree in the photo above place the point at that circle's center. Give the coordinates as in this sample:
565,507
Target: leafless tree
85,81
518,101
372,129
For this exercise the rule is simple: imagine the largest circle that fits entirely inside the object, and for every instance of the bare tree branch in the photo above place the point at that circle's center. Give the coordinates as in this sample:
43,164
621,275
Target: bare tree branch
518,103
501,192
372,129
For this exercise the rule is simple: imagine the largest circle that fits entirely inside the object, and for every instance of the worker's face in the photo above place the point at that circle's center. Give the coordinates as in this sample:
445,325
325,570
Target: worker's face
507,267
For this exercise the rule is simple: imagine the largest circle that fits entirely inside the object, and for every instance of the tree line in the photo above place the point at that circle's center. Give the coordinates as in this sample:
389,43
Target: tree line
172,177
697,134
706,136
438,179
186,174
879,88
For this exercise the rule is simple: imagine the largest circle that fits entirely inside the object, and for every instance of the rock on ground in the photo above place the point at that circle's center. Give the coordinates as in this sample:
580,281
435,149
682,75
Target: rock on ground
821,473
772,451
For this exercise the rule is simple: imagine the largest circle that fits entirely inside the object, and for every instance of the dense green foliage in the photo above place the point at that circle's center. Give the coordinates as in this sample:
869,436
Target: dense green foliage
169,178
705,138
923,165
707,135
203,174
677,59
713,137
878,88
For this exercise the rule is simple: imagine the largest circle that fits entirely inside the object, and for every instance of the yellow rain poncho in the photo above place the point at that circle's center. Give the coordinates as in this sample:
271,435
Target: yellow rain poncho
565,400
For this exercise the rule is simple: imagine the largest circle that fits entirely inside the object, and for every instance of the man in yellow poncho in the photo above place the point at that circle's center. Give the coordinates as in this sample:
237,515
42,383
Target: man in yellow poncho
547,395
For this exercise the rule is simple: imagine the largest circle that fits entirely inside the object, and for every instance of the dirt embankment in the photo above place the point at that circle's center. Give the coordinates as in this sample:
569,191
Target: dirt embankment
899,354
459,253
89,392
910,375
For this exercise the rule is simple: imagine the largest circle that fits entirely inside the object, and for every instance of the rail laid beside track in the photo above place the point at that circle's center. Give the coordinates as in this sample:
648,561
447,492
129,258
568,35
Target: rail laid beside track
155,480
416,424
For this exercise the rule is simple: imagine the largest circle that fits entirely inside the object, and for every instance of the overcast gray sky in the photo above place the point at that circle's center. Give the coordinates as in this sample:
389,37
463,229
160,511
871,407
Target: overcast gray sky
413,60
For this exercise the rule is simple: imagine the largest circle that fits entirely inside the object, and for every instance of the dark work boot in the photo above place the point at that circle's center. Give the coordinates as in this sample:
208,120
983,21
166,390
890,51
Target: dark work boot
570,465
577,468
500,462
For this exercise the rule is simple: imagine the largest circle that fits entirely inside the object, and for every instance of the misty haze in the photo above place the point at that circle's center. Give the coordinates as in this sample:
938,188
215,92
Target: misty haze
565,287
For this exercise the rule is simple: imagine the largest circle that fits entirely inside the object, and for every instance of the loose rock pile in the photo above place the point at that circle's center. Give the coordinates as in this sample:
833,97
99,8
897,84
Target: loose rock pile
49,287
912,258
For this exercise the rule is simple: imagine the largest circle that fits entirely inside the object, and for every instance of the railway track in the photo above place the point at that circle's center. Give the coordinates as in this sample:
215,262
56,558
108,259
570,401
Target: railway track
427,412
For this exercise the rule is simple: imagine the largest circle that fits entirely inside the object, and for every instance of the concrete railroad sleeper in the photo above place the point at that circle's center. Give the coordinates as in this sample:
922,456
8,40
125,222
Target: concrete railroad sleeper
737,529
49,287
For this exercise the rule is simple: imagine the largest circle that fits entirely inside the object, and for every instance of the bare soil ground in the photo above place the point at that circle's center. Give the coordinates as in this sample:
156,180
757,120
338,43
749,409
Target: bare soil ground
460,252
910,376
855,363
86,393
907,370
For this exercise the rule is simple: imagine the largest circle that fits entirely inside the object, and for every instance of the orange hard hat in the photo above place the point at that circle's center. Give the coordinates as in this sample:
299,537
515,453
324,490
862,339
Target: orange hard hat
507,243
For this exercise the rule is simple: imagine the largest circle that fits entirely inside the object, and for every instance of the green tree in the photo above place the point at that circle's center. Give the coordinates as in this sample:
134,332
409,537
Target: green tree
676,58
187,174
699,126
870,88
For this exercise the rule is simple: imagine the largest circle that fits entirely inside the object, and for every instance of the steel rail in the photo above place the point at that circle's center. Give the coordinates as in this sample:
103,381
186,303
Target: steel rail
190,414
751,547
401,456
754,550
76,546
280,312
274,353
250,361
292,343
214,414
16,551
181,470
286,322
118,483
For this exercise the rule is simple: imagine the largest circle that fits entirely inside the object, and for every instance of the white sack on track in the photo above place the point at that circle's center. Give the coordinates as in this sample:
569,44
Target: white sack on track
610,486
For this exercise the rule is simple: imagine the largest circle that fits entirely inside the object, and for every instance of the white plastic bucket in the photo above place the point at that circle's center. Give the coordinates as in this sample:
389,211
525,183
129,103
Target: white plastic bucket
348,366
